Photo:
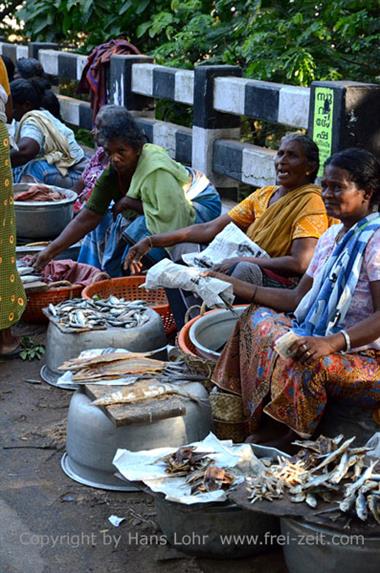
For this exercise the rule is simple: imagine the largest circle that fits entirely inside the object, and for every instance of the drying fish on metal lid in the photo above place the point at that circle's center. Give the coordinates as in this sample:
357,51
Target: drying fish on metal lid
143,390
80,314
327,470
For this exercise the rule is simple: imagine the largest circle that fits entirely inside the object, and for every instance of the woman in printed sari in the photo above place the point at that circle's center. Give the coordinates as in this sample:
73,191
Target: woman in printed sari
12,296
337,317
150,193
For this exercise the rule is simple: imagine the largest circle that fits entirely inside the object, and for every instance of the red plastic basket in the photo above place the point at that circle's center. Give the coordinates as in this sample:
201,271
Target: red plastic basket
128,288
39,300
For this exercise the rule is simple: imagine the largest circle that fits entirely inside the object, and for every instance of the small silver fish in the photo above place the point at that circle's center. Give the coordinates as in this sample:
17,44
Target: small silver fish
361,506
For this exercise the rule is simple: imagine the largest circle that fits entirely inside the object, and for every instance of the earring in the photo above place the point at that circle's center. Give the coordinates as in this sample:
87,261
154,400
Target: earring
307,172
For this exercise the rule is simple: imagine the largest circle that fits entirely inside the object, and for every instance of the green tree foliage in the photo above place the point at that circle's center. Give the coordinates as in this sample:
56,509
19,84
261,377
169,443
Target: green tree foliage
291,41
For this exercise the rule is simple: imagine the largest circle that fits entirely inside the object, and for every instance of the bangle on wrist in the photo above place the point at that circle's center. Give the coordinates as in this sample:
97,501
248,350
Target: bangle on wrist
254,294
150,242
347,340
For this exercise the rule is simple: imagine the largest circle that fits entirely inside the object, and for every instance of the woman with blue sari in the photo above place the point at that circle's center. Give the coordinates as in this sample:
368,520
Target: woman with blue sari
336,318
142,192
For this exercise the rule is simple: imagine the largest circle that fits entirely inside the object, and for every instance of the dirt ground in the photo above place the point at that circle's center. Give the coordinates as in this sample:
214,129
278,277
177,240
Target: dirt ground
51,524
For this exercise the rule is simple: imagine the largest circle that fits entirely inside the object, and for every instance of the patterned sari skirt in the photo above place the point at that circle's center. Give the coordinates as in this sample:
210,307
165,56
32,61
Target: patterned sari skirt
12,296
290,392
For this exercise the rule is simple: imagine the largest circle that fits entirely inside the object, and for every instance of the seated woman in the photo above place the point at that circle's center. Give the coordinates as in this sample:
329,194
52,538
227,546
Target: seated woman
285,220
337,316
47,150
98,162
151,194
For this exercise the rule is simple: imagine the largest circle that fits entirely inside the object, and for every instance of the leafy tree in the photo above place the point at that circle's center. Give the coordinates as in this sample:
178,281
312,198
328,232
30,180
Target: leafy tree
290,41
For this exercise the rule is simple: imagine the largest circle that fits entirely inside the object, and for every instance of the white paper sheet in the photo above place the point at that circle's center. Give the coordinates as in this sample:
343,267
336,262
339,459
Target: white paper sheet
229,243
147,466
167,274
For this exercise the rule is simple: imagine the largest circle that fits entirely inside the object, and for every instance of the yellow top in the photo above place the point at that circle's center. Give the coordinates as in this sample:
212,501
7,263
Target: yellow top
299,214
4,77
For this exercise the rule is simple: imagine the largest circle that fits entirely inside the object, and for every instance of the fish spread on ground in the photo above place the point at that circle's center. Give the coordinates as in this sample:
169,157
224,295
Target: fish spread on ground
80,314
327,470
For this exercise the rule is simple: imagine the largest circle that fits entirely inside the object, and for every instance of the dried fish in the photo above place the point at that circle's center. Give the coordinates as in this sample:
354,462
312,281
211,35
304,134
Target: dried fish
80,314
142,391
342,478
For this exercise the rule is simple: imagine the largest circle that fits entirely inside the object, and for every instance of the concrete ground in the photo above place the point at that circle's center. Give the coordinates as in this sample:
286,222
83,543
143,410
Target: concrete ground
50,524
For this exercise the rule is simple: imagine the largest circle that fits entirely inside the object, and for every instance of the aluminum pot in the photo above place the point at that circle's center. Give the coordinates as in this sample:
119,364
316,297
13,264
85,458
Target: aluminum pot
212,531
311,548
62,346
92,439
210,333
348,420
43,219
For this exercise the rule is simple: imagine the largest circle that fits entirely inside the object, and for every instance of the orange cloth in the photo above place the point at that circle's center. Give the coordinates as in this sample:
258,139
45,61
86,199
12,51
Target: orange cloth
299,214
4,77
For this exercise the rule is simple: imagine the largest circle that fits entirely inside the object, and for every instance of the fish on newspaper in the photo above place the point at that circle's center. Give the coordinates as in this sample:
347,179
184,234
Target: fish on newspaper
145,390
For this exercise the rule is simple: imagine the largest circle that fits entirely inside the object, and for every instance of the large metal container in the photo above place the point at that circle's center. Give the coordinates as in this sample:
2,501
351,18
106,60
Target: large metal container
43,219
212,531
308,547
210,332
92,439
62,346
340,418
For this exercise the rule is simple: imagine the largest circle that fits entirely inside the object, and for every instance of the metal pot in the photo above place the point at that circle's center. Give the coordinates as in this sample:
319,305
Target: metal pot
62,346
212,531
210,332
92,439
308,547
43,219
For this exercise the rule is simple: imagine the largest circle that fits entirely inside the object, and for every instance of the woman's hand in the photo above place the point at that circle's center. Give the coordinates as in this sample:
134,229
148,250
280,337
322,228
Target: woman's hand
119,207
219,275
135,254
225,265
126,203
42,259
307,349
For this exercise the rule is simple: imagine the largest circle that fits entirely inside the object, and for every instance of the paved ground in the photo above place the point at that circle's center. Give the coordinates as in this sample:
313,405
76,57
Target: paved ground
50,524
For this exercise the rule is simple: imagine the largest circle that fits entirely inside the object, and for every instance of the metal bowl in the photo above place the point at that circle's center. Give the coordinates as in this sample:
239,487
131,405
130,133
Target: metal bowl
210,332
205,530
92,439
43,219
62,346
311,548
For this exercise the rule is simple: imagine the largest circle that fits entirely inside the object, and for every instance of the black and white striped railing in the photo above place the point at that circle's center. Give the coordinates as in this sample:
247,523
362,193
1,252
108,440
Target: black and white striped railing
337,114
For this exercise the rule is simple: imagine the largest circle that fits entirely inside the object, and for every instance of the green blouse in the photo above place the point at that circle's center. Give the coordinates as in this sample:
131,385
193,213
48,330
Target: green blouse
158,183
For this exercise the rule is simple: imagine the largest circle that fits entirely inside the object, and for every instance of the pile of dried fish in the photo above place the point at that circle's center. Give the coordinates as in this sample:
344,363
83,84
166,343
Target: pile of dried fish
80,315
185,460
326,470
112,366
143,390
197,467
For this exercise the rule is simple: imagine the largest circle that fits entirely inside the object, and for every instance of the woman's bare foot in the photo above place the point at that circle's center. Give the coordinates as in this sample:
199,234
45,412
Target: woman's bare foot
8,342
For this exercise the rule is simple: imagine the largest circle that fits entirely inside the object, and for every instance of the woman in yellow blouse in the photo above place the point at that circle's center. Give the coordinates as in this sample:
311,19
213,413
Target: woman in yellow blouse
12,296
286,220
